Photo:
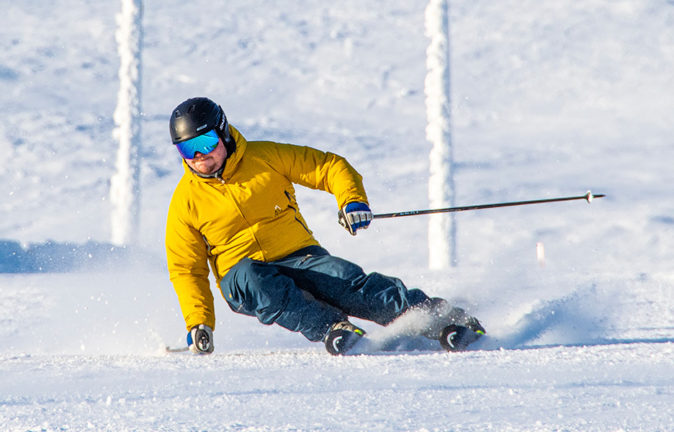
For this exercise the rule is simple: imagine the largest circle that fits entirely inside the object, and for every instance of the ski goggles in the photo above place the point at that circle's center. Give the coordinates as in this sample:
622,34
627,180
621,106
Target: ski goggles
203,144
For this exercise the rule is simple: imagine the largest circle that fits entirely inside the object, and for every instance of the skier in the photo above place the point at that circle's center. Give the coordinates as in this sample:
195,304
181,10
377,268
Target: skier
235,207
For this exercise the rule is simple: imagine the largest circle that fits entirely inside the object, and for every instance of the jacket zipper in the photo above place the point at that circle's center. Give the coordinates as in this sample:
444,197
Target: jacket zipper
234,203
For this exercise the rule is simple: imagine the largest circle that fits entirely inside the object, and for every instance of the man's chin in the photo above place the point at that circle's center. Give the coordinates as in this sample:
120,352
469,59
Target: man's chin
205,169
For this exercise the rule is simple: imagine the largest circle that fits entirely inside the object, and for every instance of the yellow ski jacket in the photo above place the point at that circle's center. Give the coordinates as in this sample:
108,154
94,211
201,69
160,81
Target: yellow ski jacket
250,211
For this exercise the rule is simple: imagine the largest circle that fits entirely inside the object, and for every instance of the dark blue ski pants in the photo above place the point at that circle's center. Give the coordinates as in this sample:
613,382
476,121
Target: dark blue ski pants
310,290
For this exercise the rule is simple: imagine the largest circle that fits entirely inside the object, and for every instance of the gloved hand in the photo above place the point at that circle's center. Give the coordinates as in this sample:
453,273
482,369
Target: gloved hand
200,339
354,216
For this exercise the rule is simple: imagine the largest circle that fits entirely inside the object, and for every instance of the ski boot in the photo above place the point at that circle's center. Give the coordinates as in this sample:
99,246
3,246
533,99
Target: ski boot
452,326
341,337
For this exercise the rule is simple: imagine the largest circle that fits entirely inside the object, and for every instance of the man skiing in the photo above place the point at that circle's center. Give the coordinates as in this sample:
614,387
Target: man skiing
235,208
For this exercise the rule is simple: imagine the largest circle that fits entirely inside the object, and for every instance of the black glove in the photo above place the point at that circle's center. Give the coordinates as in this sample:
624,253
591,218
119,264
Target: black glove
200,339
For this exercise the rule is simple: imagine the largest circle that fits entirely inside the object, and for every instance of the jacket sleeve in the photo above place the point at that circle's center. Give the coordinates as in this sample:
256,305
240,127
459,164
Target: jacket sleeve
316,169
187,259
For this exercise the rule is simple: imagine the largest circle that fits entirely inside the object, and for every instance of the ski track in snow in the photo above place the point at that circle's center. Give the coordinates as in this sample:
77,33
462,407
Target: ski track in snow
549,99
592,388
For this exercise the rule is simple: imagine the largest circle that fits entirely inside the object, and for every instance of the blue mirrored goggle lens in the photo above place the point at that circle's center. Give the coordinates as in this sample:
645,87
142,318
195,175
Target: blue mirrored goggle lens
203,144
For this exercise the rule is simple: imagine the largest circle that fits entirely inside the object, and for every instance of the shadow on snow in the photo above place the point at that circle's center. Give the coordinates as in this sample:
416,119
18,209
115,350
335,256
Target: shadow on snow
54,257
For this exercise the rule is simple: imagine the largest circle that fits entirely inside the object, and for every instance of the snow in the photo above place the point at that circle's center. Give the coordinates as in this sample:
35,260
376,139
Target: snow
124,185
437,88
549,99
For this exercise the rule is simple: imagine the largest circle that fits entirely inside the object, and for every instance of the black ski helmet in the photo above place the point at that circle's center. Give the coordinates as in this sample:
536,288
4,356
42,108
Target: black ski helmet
197,116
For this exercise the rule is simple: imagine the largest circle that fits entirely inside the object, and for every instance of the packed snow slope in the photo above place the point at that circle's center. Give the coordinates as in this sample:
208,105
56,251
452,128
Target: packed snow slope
549,99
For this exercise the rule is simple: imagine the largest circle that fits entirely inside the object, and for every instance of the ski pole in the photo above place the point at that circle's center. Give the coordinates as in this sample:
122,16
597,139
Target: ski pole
589,196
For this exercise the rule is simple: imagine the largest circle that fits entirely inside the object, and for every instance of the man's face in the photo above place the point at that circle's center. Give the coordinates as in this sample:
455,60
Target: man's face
208,163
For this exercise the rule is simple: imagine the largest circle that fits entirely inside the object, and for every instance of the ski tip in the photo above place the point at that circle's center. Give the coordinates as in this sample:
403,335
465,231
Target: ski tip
176,350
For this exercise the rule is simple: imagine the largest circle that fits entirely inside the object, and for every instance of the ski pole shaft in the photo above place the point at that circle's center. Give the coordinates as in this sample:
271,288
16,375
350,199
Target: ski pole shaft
589,196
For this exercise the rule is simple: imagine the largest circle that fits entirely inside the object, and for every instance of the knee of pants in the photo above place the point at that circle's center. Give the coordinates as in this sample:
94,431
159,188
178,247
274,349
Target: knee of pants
251,287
